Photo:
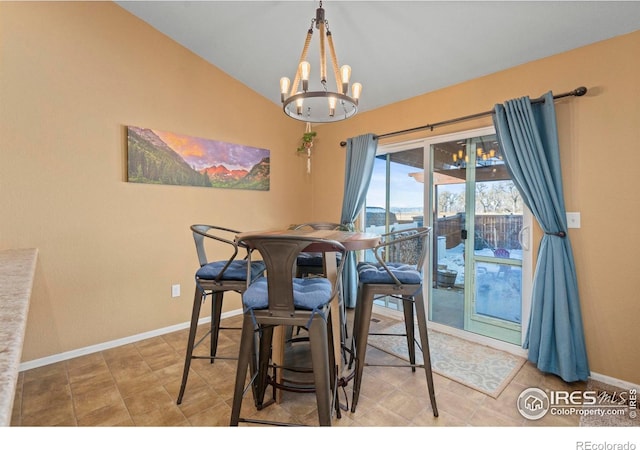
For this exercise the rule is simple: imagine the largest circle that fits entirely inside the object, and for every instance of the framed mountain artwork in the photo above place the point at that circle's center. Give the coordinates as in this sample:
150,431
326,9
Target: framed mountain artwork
162,157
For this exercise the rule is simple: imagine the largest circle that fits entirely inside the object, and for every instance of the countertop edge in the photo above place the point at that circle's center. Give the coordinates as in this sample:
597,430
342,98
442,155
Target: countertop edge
17,272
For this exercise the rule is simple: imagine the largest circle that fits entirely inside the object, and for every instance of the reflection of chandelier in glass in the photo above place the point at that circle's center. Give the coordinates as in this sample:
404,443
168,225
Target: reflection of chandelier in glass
483,158
324,105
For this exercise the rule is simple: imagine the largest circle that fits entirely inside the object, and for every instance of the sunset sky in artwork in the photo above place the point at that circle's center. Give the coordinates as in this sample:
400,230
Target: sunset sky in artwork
201,153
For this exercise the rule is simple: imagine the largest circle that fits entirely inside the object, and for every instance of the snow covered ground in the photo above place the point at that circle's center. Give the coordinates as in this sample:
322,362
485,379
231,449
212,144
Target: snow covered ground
498,287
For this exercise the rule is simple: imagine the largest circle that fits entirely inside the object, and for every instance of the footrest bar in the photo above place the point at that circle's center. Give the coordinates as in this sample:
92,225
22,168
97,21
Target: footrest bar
421,366
269,422
234,358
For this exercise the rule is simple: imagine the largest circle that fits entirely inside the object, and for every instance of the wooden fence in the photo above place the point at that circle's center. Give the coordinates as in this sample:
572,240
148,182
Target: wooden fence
491,231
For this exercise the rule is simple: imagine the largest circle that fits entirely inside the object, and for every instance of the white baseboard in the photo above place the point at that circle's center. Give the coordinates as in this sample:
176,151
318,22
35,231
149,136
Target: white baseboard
159,332
115,343
614,381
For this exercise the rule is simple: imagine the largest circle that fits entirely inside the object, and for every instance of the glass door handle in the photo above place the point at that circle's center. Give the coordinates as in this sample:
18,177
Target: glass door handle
524,243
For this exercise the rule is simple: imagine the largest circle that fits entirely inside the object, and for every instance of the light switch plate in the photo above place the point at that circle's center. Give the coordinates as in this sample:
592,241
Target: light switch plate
573,219
175,290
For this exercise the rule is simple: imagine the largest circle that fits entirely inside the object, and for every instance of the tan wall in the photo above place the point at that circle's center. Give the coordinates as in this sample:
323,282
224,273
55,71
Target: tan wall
598,140
74,75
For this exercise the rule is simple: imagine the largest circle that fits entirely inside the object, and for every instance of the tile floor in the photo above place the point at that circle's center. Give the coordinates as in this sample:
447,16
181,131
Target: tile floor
136,385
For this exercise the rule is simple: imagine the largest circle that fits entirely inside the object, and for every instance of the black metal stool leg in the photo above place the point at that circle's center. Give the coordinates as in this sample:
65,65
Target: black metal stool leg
195,315
216,313
426,354
333,368
363,310
322,373
356,322
244,361
264,355
407,306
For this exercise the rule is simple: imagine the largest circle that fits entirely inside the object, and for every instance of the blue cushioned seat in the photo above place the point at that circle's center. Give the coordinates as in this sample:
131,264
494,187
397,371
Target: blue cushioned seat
376,274
237,270
308,293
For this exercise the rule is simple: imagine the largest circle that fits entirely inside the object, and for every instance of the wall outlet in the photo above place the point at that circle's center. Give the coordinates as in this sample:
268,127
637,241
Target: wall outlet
573,219
175,290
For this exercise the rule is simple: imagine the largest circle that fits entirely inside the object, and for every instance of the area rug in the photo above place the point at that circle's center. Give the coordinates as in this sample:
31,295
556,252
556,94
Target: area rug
601,416
477,366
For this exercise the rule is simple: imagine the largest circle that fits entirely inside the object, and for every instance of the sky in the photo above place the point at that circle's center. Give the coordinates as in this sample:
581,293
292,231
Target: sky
201,153
406,192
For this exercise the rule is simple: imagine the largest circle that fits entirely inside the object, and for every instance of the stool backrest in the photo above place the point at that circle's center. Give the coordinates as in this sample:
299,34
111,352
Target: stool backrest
408,246
216,233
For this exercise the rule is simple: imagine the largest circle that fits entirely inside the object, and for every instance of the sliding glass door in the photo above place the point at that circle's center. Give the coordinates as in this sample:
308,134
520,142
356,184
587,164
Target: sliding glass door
480,265
395,199
480,238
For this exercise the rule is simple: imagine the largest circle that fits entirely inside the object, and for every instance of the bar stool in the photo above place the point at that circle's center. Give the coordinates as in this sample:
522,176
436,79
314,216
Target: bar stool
312,263
214,279
280,299
398,273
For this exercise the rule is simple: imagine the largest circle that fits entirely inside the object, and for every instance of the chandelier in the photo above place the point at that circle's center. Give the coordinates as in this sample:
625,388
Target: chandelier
484,158
323,105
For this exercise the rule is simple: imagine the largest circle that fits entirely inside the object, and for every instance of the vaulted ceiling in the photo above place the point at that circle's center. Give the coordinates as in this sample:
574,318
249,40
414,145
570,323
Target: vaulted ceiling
397,49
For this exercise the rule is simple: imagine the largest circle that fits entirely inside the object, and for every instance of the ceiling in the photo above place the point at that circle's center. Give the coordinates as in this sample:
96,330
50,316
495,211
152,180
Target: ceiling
397,49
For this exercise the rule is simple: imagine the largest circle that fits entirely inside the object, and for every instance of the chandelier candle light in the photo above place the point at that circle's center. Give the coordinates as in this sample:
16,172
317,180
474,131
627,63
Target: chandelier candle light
324,105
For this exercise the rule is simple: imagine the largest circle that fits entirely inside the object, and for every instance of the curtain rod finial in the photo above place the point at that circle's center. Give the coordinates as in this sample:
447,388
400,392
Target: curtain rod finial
579,92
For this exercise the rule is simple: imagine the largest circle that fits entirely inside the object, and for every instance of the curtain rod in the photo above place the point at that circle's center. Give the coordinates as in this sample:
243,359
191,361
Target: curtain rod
578,92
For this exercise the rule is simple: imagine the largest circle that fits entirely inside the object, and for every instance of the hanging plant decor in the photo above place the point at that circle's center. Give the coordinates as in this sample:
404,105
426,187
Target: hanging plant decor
306,143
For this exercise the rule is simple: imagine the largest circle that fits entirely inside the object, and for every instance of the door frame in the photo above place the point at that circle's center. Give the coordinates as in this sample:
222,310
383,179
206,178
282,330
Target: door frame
527,256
